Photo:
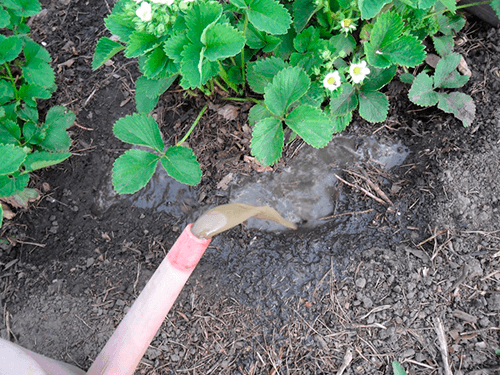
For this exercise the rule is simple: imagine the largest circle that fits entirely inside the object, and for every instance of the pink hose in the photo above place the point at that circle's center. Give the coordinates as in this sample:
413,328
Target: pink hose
129,342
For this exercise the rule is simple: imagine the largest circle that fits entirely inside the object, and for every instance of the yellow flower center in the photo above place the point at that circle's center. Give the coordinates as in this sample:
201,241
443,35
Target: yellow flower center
347,22
331,81
357,70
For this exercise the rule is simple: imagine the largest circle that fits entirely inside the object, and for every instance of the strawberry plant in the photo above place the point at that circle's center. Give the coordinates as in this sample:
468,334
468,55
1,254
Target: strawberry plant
307,65
26,143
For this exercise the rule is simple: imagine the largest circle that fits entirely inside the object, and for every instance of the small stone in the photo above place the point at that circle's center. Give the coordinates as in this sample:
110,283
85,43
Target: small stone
174,358
494,302
361,282
90,262
367,303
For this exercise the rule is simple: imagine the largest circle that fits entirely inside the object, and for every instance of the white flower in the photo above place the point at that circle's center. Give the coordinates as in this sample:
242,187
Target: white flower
359,72
168,2
347,25
332,81
144,12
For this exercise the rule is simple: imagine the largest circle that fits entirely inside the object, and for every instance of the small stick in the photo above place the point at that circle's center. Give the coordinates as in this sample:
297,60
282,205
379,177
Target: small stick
347,361
432,237
346,213
363,190
373,185
443,346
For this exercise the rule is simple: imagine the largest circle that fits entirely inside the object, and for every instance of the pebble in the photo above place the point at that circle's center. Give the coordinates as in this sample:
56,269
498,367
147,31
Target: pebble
361,282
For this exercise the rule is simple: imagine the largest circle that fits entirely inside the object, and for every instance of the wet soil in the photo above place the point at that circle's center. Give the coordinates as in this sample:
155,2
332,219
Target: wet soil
377,281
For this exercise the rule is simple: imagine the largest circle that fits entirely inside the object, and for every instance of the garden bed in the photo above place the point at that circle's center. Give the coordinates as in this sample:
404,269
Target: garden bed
377,282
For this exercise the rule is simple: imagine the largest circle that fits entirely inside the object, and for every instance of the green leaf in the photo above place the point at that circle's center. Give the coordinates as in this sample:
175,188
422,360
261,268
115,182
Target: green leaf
148,91
11,158
285,48
345,102
200,16
446,75
315,96
422,91
341,45
288,86
1,207
340,123
38,72
139,129
7,92
269,16
23,8
257,113
58,119
449,25
306,61
27,113
311,124
104,50
387,46
262,72
34,51
267,140
378,78
426,4
140,43
398,369
118,25
495,4
43,159
34,134
10,185
175,45
133,170
10,48
156,62
222,41
31,92
370,8
451,5
407,78
460,105
307,40
443,44
303,10
180,163
10,132
373,106
4,22
194,68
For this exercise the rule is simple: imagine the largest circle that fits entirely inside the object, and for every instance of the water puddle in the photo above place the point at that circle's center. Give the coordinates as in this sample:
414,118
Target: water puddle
303,192
162,193
307,189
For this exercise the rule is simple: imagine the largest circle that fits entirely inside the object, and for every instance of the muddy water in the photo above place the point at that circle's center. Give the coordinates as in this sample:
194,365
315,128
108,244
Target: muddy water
307,189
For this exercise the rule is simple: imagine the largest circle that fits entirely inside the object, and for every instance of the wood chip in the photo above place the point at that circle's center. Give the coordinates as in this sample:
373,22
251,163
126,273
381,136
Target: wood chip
224,183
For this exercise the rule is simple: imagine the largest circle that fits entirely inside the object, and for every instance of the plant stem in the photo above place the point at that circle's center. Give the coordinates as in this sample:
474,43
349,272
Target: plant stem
7,68
246,99
225,78
193,126
245,26
458,7
220,86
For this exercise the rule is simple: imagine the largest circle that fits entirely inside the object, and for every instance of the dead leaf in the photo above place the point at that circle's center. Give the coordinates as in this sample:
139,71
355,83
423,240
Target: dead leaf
256,164
67,64
229,112
463,67
23,198
432,60
224,183
7,212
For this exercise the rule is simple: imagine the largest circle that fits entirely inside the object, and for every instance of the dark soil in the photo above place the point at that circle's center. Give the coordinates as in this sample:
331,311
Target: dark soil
349,296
